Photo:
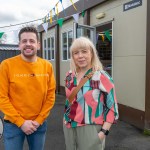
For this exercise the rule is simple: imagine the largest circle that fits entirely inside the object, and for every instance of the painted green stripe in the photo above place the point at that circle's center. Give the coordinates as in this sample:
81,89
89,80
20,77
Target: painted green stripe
90,114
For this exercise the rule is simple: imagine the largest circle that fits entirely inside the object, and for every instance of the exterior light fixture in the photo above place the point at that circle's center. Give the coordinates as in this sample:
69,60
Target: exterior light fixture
100,15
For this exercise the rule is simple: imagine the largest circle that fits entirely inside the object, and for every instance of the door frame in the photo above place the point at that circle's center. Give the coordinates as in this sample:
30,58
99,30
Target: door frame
104,23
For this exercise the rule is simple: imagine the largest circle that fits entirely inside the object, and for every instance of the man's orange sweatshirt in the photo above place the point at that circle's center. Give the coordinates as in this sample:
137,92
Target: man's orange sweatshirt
27,90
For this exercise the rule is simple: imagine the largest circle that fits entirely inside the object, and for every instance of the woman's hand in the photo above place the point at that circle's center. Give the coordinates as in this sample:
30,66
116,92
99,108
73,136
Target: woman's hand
101,135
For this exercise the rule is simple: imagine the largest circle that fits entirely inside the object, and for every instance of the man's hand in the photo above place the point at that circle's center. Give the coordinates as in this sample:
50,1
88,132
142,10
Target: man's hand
36,124
28,127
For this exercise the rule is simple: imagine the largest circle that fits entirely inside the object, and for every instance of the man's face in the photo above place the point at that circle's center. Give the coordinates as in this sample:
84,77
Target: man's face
28,44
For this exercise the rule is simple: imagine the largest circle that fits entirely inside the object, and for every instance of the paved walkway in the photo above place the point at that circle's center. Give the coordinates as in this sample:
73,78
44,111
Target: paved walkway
122,135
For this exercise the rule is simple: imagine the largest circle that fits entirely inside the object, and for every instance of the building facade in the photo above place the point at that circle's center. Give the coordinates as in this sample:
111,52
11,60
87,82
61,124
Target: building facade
119,29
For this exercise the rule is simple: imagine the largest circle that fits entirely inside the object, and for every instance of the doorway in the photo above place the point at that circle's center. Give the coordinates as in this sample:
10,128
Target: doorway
104,46
102,39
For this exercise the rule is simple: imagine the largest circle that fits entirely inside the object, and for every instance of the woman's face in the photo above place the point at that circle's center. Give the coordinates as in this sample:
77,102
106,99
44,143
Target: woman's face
82,58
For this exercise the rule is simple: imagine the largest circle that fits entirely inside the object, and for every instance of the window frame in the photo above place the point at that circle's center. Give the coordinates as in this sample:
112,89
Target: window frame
62,50
49,47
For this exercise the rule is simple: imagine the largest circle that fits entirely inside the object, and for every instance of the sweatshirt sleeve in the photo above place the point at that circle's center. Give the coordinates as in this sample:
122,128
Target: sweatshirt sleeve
50,98
110,102
5,104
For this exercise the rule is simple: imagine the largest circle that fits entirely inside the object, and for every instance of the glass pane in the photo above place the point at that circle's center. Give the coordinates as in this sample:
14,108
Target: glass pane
48,42
87,33
44,44
70,38
52,41
45,48
65,55
65,37
52,54
64,45
79,32
52,47
49,54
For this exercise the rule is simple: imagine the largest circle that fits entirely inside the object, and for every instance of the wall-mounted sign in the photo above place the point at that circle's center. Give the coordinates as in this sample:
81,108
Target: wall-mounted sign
132,4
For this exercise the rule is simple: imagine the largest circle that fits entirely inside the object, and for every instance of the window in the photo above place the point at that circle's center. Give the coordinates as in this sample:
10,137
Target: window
49,48
67,38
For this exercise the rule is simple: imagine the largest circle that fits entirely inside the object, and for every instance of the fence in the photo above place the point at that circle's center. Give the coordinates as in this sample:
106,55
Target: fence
4,54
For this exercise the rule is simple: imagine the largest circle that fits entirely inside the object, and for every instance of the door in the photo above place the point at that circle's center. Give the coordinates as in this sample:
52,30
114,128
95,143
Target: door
84,30
101,36
104,45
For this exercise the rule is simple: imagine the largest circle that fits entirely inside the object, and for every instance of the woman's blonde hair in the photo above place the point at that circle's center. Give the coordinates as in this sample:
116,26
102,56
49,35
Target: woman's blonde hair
84,42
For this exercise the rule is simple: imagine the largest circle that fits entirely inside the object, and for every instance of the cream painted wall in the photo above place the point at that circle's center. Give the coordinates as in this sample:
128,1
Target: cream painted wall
45,36
129,50
65,64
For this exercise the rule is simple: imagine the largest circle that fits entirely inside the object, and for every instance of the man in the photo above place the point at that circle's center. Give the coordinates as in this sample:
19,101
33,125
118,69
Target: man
27,94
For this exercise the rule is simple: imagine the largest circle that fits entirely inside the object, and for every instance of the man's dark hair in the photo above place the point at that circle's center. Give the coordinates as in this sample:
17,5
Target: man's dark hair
28,29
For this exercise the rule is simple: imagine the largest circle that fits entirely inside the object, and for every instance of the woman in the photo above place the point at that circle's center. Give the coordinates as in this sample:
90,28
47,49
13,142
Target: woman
88,118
